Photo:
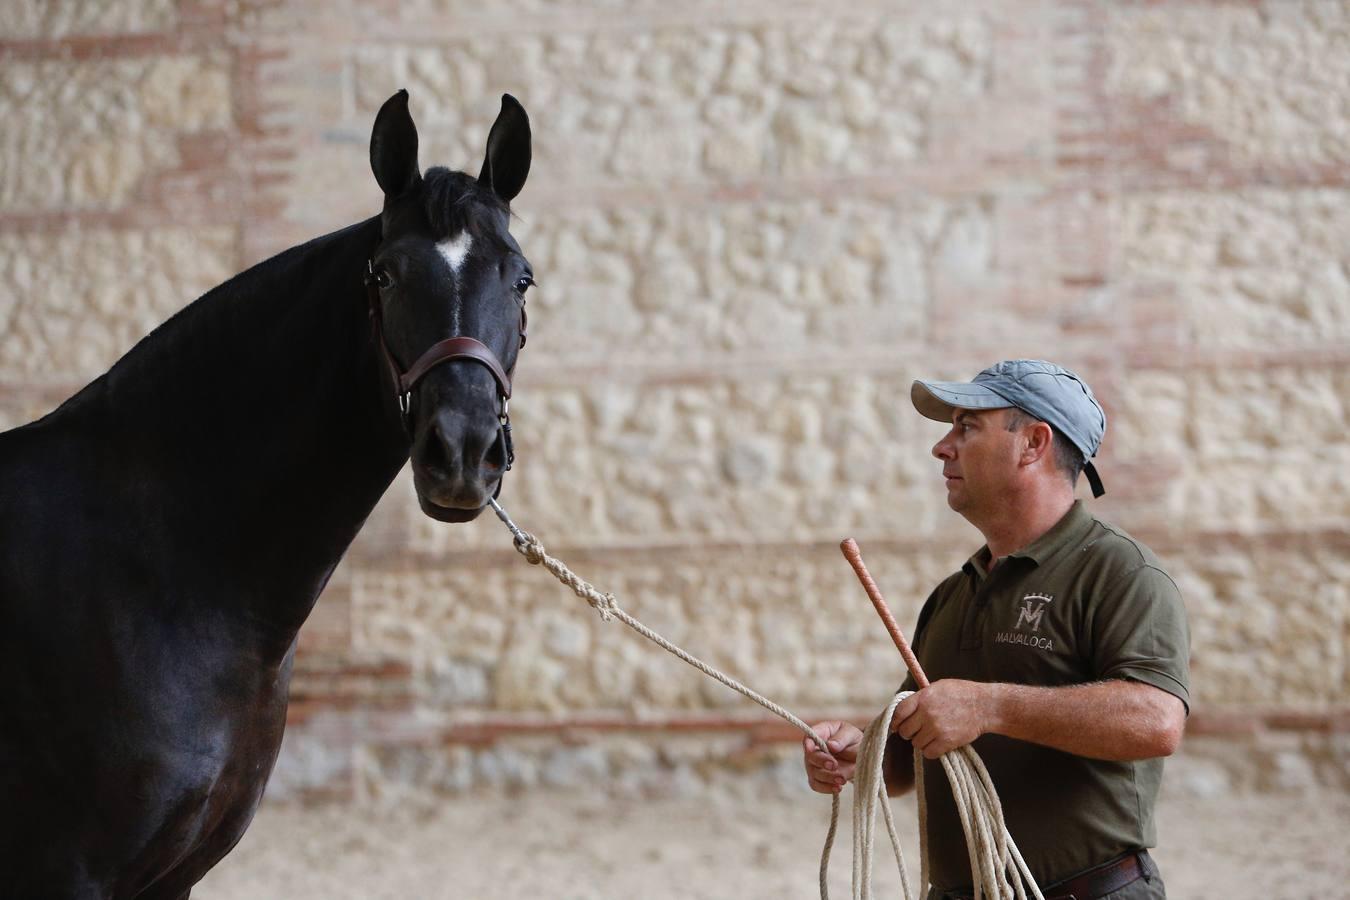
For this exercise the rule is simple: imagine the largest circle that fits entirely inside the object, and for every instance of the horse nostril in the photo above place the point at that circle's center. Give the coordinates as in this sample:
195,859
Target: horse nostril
436,452
494,460
494,456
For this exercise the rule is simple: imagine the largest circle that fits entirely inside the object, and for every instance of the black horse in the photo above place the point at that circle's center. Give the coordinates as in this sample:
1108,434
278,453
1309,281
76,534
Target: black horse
166,531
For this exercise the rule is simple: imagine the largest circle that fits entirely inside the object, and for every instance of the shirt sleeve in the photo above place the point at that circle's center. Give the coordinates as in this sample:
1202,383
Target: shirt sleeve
1140,633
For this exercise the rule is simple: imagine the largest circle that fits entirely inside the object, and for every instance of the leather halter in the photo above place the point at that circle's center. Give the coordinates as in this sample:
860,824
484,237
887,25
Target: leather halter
442,352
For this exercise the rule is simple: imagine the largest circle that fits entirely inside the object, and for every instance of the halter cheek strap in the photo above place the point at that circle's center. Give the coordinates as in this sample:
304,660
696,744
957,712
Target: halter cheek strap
442,352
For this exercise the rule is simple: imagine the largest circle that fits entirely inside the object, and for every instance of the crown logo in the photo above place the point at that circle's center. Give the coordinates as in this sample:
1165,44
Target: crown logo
1044,598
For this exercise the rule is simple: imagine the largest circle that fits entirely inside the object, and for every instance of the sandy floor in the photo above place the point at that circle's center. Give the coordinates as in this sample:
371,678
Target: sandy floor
1268,847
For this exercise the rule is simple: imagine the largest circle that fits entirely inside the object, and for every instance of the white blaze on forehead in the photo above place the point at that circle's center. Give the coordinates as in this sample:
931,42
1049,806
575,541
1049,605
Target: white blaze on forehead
456,250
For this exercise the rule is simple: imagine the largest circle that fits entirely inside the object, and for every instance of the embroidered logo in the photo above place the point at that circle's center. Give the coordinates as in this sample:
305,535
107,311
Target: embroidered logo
1029,614
1033,607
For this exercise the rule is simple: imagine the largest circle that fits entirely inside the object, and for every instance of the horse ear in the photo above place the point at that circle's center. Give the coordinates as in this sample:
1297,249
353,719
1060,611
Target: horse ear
508,151
393,147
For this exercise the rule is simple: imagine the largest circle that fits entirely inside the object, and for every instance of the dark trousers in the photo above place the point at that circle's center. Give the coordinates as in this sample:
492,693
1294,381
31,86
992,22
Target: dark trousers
1149,887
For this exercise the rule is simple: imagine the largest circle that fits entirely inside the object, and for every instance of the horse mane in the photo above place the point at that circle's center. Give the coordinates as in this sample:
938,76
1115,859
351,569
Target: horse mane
455,202
286,276
452,201
242,302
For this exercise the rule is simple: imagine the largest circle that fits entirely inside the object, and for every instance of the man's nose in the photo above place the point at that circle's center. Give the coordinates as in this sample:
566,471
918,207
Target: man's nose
943,449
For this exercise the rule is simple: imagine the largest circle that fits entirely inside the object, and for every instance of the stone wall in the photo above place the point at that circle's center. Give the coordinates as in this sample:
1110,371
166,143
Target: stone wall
753,225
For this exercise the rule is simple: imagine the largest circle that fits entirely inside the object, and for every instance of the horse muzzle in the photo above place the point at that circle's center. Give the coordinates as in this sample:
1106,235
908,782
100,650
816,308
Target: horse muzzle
458,462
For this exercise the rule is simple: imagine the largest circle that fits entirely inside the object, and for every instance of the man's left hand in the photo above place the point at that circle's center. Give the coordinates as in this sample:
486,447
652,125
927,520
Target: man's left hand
943,716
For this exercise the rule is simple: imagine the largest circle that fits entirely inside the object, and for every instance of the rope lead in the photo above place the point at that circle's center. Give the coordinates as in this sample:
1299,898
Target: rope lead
995,863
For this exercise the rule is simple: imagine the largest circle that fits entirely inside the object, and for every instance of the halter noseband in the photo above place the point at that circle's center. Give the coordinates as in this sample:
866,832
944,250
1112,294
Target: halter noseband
442,352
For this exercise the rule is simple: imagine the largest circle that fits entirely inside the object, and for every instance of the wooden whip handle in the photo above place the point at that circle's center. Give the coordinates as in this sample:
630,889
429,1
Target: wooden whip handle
854,557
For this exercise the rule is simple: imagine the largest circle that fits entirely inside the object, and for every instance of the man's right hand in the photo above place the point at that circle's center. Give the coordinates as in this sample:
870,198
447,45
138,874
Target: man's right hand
826,774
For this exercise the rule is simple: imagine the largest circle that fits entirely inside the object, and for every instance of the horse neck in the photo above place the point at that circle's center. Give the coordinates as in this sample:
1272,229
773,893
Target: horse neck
264,422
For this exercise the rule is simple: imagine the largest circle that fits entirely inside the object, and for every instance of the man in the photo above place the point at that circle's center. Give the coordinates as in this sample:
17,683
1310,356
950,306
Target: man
1060,649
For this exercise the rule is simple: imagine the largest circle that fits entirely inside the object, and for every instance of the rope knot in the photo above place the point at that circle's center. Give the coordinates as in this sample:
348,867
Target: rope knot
605,604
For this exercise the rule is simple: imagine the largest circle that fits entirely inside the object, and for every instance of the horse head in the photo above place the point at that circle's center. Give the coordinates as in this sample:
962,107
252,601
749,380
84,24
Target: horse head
447,290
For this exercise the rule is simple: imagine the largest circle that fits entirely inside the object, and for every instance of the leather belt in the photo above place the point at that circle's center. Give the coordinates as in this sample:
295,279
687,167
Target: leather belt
1100,881
1090,885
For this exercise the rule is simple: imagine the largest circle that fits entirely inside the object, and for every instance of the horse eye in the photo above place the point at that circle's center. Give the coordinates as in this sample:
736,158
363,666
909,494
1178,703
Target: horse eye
382,279
523,284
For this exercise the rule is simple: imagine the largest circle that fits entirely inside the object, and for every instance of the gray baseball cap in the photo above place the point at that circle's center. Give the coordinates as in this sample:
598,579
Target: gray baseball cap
1049,392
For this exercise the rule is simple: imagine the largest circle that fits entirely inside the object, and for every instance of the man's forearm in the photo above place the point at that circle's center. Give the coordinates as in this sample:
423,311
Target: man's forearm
1115,720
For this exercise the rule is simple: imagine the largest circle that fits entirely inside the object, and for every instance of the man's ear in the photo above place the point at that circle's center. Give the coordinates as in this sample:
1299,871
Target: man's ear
1040,439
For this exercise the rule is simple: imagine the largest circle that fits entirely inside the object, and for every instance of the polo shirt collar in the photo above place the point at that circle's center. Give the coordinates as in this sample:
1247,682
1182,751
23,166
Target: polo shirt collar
977,567
1066,531
1074,524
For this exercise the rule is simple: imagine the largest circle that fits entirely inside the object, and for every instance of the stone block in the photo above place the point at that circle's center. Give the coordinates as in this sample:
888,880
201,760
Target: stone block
1249,86
88,135
55,19
1268,447
781,277
77,299
1251,269
1149,416
1232,446
388,774
1267,623
1262,762
313,762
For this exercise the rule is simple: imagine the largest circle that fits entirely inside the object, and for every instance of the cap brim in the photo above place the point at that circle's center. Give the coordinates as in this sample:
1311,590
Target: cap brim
939,400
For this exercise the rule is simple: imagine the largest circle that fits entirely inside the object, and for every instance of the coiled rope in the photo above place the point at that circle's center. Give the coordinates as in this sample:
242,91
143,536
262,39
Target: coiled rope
995,863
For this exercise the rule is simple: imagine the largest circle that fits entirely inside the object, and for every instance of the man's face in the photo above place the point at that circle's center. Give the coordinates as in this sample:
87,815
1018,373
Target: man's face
979,460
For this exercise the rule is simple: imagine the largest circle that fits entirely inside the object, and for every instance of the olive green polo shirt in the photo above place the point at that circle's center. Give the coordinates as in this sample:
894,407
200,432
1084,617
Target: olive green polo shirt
1085,602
